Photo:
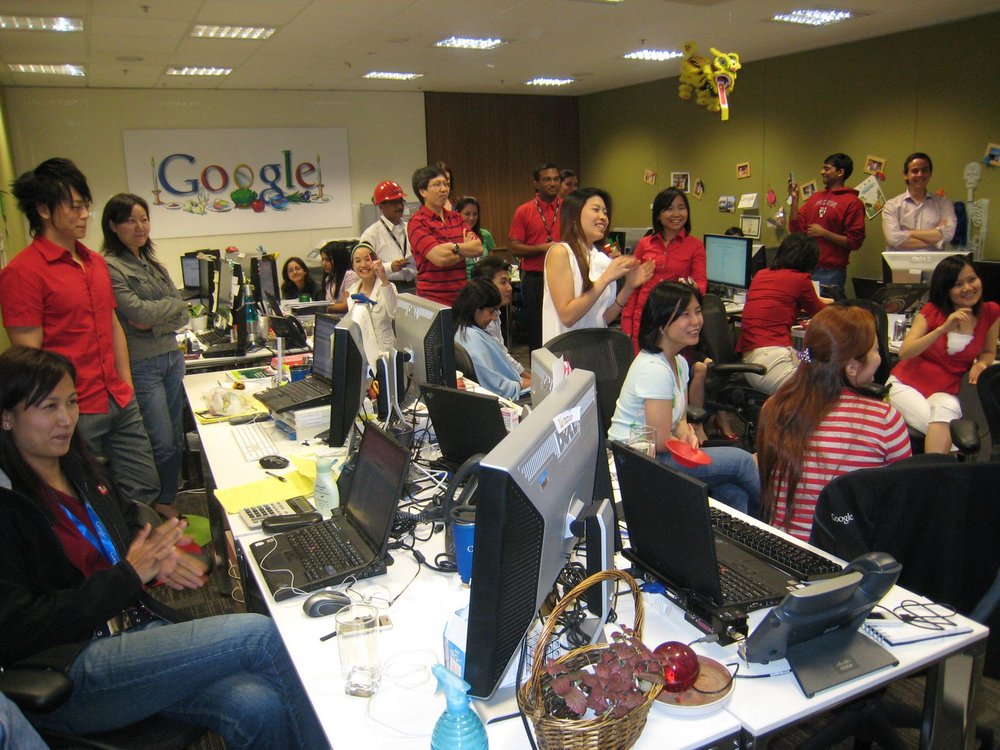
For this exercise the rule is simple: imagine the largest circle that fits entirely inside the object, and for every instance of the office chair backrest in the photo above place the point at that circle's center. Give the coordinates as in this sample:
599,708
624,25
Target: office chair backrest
988,388
606,352
463,362
716,332
881,334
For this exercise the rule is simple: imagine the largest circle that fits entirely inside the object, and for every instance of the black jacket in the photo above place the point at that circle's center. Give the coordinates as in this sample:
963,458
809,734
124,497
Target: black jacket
48,610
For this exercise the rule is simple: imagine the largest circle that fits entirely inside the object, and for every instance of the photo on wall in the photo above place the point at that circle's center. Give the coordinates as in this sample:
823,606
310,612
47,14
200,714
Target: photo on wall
750,226
681,181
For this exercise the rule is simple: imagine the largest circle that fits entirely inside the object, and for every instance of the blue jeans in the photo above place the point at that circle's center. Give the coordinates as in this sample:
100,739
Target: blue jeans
732,477
230,674
159,389
120,436
15,731
831,277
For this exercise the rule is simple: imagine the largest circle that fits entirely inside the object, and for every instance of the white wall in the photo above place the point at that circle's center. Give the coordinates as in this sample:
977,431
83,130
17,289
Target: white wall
385,132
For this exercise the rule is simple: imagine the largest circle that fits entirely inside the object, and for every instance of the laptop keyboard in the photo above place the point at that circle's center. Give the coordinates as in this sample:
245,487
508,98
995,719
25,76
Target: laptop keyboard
737,587
253,441
300,392
211,336
323,550
790,557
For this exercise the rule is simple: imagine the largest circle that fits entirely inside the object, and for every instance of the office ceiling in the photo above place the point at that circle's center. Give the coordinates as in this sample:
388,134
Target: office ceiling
331,44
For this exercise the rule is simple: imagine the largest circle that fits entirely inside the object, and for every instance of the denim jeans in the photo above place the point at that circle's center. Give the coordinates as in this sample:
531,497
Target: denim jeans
732,477
159,389
15,731
230,674
120,436
831,277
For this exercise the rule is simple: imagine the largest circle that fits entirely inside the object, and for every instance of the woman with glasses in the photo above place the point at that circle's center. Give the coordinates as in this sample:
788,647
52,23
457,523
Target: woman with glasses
440,239
151,311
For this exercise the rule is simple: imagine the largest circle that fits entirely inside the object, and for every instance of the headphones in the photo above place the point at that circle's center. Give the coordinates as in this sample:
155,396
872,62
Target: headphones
467,471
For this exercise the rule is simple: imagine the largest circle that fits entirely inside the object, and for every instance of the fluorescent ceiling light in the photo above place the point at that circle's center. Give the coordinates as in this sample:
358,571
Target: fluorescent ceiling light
52,70
232,32
198,71
812,17
549,81
656,55
462,42
37,23
385,75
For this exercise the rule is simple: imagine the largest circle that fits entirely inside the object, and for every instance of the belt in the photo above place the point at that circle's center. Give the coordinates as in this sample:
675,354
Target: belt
128,618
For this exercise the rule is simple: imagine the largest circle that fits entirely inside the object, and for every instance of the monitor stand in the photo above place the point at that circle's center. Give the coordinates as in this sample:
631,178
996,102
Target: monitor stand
502,706
834,658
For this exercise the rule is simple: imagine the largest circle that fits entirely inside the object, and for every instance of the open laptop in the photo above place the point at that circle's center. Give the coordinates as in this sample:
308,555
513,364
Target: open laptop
314,390
354,541
465,423
670,534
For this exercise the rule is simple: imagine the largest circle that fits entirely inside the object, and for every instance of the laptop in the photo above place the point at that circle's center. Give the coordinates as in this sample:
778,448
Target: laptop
315,389
354,541
466,423
671,536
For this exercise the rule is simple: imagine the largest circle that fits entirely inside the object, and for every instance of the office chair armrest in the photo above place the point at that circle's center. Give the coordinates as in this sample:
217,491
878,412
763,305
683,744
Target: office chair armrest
874,390
40,690
965,436
735,368
696,415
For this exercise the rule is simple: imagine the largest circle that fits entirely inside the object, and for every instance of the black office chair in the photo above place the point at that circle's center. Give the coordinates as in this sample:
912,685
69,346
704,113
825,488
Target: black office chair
463,362
44,690
606,352
988,388
726,388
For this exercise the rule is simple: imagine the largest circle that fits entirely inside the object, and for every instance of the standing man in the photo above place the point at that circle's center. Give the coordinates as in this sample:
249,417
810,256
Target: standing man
835,217
56,295
533,230
916,219
388,236
440,240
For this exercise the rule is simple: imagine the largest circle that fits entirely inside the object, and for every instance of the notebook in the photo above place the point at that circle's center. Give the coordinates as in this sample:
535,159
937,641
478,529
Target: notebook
894,632
671,535
314,390
296,562
465,423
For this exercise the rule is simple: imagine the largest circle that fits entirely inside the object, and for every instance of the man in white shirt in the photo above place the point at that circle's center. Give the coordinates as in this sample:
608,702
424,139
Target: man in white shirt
917,219
388,235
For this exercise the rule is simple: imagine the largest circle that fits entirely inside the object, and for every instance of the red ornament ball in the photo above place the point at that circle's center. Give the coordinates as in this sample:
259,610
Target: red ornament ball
680,665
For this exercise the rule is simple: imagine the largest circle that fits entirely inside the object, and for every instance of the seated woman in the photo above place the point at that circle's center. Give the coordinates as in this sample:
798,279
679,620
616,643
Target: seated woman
580,280
474,308
74,564
337,276
296,281
654,395
775,298
375,316
818,426
954,333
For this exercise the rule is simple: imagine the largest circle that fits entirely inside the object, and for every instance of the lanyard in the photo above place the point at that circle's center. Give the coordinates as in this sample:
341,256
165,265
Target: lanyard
402,248
102,542
541,215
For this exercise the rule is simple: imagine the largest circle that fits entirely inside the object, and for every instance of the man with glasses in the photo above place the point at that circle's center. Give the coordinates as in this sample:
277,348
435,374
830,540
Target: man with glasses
388,235
440,240
56,294
533,230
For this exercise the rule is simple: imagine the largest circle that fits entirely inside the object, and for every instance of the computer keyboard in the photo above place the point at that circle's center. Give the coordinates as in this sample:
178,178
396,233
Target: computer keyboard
790,557
299,394
253,441
737,587
323,550
211,336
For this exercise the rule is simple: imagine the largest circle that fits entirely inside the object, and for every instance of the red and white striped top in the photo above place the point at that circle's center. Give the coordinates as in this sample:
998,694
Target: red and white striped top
860,433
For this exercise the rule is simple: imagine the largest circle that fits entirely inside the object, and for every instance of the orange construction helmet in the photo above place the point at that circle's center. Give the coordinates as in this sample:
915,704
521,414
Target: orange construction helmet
387,191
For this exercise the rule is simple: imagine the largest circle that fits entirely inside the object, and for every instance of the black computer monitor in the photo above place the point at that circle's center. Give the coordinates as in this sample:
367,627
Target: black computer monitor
350,373
264,277
537,480
728,260
206,281
424,330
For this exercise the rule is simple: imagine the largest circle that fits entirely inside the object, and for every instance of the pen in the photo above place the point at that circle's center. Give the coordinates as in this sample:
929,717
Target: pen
276,476
328,636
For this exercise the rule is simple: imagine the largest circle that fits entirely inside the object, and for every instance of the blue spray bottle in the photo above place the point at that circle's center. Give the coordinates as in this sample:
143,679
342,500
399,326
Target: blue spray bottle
459,727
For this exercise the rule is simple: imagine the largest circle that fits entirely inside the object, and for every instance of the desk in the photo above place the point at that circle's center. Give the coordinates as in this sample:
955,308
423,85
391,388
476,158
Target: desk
756,710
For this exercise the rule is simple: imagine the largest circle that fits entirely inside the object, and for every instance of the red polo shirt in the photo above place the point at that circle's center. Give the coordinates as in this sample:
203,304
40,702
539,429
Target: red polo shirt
426,231
74,305
534,228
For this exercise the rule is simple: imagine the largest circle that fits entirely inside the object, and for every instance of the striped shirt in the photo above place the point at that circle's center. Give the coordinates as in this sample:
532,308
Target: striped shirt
860,433
426,231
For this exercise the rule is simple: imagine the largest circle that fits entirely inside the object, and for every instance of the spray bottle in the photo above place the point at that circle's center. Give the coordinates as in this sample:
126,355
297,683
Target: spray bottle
459,727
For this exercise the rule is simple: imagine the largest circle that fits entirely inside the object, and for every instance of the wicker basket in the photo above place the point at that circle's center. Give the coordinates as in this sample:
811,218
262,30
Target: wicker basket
539,703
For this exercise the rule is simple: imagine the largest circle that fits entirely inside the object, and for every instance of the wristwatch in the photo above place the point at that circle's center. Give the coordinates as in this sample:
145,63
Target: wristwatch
454,249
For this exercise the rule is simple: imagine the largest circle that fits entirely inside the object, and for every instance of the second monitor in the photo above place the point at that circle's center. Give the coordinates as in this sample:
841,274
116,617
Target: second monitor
728,260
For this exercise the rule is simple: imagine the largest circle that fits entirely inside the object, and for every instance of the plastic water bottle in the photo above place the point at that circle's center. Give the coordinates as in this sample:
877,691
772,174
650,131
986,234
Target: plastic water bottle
252,318
326,495
459,727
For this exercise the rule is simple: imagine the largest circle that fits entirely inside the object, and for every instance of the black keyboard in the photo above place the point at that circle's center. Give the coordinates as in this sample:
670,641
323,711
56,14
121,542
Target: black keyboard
211,336
788,556
323,550
300,394
737,587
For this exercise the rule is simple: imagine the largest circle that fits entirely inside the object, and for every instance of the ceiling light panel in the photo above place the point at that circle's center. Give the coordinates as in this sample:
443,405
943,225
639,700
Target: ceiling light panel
814,17
654,55
385,75
232,32
541,81
52,70
198,71
39,23
461,42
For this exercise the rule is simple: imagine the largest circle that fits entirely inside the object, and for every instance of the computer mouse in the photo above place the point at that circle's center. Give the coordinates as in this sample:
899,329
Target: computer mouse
273,462
325,602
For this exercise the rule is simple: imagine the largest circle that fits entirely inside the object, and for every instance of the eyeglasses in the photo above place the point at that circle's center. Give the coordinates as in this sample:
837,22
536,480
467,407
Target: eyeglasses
439,185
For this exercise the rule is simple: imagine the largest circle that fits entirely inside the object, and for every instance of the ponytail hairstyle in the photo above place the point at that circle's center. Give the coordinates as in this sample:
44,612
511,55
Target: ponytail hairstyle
571,229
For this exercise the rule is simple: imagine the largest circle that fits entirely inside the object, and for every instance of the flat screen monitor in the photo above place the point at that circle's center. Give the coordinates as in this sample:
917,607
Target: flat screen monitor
190,276
547,371
206,281
350,375
264,277
762,258
728,260
538,479
912,266
224,295
425,331
323,346
632,236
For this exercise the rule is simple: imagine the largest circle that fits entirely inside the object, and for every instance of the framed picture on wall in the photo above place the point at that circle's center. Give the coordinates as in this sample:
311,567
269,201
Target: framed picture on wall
992,155
750,226
681,181
742,170
874,164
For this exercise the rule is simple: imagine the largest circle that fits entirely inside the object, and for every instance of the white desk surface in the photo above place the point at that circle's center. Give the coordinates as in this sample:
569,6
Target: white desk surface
759,706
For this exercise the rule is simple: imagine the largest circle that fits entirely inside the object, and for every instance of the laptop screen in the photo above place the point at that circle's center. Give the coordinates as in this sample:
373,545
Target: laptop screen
190,272
323,347
378,480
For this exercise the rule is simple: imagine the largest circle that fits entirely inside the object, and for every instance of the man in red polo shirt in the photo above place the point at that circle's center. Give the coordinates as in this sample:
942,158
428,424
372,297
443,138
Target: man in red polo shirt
439,238
56,294
533,230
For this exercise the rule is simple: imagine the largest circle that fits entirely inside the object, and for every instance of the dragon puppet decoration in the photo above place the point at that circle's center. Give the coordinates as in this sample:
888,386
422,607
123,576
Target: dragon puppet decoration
710,81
